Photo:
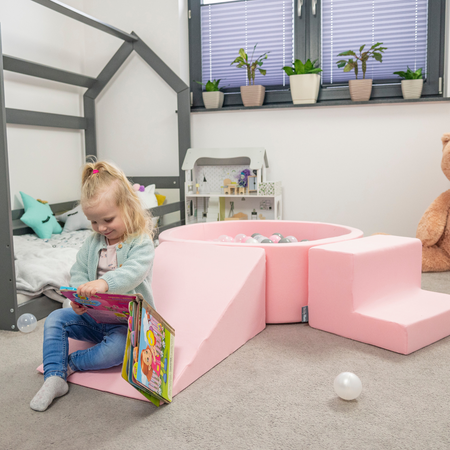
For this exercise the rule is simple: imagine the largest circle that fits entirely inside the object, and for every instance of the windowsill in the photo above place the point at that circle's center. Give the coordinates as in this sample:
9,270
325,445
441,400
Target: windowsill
377,101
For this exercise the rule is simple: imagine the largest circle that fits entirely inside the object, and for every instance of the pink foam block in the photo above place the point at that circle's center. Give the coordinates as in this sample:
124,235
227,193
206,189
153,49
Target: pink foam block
287,264
215,300
369,290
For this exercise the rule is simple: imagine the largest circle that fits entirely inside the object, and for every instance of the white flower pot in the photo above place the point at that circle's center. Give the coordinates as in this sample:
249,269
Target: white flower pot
213,100
412,88
304,88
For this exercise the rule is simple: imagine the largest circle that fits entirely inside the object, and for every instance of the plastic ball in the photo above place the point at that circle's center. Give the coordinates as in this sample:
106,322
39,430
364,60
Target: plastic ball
266,241
292,238
26,323
238,237
347,385
260,238
256,234
304,240
136,186
278,234
275,238
284,241
225,238
251,240
244,238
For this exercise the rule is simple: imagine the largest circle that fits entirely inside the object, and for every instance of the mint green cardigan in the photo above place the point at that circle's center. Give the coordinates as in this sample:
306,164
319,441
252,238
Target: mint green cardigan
134,266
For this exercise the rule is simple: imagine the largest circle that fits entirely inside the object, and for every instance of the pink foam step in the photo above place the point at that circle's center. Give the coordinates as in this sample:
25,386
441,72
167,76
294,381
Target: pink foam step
214,297
369,290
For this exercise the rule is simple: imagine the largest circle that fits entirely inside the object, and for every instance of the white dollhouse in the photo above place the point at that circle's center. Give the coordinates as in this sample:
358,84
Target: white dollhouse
214,189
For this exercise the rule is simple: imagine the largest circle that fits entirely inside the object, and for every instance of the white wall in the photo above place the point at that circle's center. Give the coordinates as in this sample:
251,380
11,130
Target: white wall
375,167
42,160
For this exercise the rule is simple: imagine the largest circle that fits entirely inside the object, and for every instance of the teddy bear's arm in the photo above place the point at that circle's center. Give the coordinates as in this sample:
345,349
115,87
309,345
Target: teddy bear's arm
433,222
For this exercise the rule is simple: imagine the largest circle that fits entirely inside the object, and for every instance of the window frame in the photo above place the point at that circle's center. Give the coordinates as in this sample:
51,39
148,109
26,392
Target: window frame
307,44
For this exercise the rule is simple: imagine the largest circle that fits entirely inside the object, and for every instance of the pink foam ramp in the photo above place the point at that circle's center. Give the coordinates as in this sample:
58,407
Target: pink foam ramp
369,290
213,296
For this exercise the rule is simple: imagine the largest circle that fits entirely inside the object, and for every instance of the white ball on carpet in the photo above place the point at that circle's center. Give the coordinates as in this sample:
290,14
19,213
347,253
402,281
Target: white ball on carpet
26,323
347,385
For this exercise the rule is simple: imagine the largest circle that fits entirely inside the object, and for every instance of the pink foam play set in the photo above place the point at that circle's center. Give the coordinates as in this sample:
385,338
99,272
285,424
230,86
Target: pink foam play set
218,295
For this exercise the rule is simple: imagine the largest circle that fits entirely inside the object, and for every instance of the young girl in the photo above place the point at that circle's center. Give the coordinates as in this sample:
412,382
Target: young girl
116,258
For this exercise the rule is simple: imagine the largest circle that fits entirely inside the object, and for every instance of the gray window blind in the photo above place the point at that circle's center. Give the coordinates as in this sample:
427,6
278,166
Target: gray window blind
230,25
401,25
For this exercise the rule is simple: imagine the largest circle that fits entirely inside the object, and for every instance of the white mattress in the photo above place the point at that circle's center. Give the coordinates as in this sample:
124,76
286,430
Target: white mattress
43,265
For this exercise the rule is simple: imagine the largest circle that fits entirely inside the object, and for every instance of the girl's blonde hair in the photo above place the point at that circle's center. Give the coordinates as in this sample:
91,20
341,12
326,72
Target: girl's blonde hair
100,176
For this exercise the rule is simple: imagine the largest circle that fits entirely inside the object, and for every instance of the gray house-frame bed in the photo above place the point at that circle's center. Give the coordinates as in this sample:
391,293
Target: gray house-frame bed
10,223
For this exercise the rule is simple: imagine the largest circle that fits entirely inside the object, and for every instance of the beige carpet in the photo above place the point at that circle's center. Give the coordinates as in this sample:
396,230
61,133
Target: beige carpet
276,392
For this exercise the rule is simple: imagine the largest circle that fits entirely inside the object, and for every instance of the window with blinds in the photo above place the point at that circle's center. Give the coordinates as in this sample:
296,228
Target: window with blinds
401,25
227,26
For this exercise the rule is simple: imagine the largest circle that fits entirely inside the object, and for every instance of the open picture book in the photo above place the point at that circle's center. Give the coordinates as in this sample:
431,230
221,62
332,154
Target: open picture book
149,350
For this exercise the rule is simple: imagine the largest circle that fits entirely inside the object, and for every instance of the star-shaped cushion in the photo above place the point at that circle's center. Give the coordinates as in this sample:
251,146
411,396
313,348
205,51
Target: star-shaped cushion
39,217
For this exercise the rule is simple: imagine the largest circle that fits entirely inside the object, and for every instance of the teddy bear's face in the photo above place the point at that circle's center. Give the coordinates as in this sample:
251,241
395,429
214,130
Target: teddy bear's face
445,163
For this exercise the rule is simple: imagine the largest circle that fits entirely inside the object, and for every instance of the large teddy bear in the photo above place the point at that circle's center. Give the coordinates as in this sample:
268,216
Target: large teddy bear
434,226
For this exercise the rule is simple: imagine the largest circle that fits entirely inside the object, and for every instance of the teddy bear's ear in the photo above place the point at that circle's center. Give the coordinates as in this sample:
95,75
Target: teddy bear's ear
445,138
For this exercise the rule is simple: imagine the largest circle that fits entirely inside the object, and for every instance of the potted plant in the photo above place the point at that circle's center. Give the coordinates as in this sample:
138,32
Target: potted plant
304,80
360,90
412,84
253,94
212,95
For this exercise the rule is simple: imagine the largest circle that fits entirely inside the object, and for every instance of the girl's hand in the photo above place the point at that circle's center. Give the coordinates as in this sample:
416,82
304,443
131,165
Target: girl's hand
79,309
91,288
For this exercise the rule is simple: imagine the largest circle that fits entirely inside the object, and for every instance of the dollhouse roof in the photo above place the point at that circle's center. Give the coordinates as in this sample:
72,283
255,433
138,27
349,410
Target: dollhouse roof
256,157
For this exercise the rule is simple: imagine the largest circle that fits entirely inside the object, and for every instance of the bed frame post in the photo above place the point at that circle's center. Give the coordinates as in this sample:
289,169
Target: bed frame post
8,310
184,141
89,133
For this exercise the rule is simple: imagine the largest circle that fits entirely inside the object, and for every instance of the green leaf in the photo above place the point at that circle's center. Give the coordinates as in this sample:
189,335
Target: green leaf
316,70
299,67
361,48
400,74
349,67
289,70
347,53
199,82
376,45
243,54
262,71
308,66
378,56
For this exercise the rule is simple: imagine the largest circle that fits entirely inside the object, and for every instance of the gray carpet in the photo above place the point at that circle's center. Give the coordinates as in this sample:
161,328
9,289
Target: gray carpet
276,392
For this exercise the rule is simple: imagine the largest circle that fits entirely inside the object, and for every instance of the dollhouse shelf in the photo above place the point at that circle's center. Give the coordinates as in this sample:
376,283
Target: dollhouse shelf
229,195
219,167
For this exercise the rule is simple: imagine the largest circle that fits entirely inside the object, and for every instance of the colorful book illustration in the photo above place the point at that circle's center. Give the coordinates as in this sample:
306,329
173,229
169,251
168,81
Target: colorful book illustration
103,308
148,359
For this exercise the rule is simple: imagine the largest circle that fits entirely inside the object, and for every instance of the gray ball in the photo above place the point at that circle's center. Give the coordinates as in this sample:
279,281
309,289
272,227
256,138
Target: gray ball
284,241
277,234
267,241
256,234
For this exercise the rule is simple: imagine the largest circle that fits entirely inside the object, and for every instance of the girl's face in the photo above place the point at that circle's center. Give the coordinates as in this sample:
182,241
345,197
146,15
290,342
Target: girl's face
106,218
147,356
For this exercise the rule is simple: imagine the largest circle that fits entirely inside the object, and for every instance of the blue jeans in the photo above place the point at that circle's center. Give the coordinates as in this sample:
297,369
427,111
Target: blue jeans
64,323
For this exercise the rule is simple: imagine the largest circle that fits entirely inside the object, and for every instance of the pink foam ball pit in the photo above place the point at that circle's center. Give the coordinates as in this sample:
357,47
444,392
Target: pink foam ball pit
286,265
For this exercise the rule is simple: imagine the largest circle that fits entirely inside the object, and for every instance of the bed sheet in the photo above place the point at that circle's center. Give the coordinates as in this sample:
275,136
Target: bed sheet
43,265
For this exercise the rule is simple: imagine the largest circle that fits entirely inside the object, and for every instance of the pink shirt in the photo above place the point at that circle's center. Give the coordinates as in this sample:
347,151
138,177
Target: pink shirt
107,260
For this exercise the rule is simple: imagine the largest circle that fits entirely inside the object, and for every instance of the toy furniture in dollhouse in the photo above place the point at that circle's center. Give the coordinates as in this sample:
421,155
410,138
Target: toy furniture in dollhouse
225,198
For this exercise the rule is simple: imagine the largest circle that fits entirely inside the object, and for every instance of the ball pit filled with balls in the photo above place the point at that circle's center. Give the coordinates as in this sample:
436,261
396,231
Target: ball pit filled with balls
286,245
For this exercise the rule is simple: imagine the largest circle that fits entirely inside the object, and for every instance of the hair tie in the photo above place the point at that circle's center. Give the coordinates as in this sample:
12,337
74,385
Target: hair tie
95,171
